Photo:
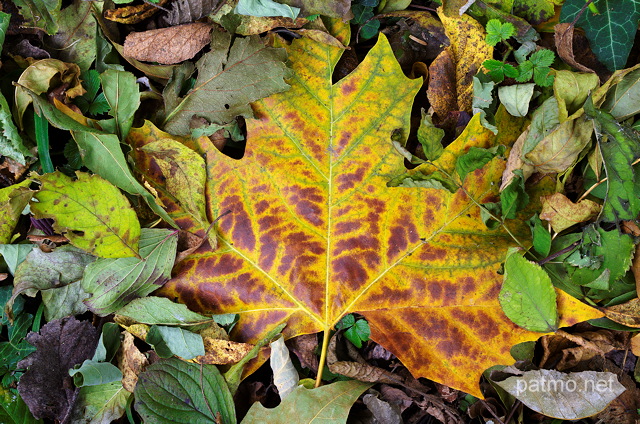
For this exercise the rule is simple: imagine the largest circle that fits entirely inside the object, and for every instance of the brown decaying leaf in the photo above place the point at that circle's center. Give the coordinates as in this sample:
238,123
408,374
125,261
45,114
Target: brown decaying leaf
564,351
573,47
356,368
564,44
304,347
131,362
46,387
441,90
185,11
187,244
562,213
167,45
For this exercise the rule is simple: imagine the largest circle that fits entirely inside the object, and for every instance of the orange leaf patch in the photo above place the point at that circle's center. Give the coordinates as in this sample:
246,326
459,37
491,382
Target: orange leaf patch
314,233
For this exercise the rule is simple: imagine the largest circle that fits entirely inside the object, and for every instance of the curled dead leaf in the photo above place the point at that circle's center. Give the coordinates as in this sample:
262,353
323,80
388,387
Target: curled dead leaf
356,368
131,362
626,313
562,213
133,14
167,45
564,43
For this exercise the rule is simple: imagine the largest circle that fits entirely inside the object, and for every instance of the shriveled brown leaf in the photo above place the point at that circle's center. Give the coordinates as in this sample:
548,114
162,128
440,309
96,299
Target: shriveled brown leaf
356,368
187,244
131,362
564,44
320,37
564,351
167,45
184,11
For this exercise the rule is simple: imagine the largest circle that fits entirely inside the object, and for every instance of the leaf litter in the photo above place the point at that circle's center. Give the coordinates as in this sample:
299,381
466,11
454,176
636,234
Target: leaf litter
285,183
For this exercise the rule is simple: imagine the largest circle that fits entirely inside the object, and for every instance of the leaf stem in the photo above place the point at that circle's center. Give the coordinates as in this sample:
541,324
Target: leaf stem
323,355
559,252
42,139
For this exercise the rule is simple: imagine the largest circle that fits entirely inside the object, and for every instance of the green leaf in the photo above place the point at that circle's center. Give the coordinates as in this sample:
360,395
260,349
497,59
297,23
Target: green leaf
121,92
44,271
13,410
43,14
169,341
101,153
430,137
525,71
11,144
330,404
527,296
516,98
100,404
483,101
14,254
60,302
75,39
108,344
115,282
346,322
94,373
498,70
549,392
545,119
229,78
541,236
173,391
542,58
4,24
476,158
620,147
266,8
91,212
161,311
358,333
18,306
533,11
623,99
543,76
369,29
361,13
16,348
498,31
514,197
611,32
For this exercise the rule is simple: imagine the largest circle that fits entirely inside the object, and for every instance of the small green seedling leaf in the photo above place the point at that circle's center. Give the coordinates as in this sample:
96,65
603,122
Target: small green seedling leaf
498,31
499,70
357,331
527,296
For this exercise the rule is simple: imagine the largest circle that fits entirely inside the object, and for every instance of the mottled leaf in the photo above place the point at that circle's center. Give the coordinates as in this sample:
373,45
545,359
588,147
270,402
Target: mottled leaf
330,403
42,14
611,32
314,232
90,212
13,200
114,282
190,393
230,76
562,213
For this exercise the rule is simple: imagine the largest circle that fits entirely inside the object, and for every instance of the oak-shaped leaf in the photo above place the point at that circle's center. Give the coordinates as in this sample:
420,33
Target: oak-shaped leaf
115,282
46,387
314,233
230,76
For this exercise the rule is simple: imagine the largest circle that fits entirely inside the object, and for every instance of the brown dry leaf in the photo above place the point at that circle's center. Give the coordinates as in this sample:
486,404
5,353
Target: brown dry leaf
253,25
3,276
441,90
304,347
515,162
168,45
357,368
222,352
627,313
131,362
562,213
564,44
564,351
133,14
187,244
321,37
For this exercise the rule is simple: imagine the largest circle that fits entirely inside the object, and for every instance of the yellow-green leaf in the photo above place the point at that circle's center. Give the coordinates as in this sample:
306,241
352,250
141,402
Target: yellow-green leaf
314,232
12,203
90,212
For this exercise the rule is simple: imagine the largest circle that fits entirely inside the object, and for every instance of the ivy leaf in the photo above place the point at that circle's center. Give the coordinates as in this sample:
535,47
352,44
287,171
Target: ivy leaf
316,231
611,32
13,410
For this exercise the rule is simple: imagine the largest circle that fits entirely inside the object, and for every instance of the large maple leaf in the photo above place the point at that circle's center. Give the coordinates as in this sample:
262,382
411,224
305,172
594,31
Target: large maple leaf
314,232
